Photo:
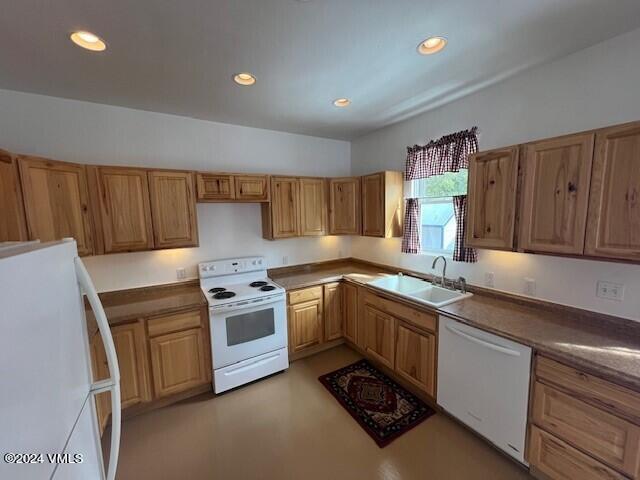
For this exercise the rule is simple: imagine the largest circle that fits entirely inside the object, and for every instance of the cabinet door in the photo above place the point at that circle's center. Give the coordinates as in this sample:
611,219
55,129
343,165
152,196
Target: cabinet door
373,205
13,226
305,325
333,312
344,206
173,208
56,201
123,207
215,187
179,361
131,349
380,335
313,207
350,312
252,188
493,179
613,228
556,181
284,207
416,358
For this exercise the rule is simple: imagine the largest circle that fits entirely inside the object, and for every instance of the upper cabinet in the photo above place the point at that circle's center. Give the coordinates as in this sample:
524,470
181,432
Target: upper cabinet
493,179
13,226
251,188
344,206
313,206
173,209
281,218
122,209
557,174
614,211
227,187
382,204
56,201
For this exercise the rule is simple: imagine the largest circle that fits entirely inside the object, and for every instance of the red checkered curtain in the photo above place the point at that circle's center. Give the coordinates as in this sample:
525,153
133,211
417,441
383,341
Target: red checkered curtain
460,252
410,237
447,154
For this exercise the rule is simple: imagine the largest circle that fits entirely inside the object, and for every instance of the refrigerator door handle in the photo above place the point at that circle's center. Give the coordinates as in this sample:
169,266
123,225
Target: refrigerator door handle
111,384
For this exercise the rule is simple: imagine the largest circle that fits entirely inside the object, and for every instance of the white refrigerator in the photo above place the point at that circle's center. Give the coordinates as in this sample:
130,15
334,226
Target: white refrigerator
48,423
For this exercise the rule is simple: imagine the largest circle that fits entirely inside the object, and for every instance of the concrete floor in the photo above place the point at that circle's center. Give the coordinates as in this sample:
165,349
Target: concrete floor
288,427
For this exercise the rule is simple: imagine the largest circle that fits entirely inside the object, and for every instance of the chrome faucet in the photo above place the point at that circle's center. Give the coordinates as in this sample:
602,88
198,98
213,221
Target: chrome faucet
444,268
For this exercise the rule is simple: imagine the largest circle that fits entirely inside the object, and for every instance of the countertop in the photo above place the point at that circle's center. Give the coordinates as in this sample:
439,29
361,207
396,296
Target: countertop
127,305
596,343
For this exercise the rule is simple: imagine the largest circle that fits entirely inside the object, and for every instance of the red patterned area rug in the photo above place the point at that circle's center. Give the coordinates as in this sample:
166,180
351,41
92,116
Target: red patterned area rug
382,407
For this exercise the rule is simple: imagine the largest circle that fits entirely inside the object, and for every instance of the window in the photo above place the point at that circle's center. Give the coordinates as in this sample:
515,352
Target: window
437,219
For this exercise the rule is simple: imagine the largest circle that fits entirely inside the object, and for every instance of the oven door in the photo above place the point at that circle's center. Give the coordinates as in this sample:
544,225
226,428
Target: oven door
241,333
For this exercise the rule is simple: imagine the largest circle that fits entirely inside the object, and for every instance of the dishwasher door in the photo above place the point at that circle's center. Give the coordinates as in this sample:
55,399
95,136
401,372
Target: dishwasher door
483,380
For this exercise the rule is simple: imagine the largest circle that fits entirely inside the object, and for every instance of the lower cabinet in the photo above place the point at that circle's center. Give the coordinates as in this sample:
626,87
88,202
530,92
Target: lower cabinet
416,357
305,325
350,312
333,314
179,361
157,357
582,426
380,336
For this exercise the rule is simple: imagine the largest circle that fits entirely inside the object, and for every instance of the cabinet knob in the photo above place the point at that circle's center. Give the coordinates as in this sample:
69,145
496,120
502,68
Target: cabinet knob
571,187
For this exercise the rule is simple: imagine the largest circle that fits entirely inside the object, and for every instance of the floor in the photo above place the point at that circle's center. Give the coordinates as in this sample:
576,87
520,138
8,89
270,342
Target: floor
289,427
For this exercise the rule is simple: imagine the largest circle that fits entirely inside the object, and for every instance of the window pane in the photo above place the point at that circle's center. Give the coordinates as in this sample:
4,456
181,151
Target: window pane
438,186
438,225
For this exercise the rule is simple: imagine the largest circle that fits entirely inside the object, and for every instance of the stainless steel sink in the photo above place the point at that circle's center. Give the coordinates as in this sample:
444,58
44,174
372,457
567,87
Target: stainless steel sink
419,290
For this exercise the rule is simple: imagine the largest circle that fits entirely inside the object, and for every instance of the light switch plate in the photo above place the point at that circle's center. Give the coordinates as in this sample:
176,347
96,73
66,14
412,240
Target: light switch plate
530,286
610,290
181,273
489,280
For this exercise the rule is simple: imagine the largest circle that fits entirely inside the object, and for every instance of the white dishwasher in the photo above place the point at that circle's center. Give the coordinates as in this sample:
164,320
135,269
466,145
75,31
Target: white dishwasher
483,380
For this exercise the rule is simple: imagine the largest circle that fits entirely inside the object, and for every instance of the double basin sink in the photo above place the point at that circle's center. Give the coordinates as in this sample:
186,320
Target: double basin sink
418,290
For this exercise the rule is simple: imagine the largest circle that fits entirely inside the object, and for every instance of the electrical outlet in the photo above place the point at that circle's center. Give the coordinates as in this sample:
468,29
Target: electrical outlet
530,286
285,260
489,279
610,291
181,273
339,253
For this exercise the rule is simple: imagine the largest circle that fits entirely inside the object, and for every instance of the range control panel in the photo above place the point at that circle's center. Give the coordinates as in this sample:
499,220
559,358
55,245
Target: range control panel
229,266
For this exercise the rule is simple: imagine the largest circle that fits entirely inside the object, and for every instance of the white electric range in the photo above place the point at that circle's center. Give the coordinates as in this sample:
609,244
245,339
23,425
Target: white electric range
248,321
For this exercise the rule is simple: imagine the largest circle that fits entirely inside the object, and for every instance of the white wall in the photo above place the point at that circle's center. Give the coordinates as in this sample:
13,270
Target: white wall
589,89
100,134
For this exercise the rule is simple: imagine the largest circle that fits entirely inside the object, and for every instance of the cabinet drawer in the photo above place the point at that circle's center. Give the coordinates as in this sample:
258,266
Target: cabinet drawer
305,295
606,437
614,398
416,317
559,461
174,323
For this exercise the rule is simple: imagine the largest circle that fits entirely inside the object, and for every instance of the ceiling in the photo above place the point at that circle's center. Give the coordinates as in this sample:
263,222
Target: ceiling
179,56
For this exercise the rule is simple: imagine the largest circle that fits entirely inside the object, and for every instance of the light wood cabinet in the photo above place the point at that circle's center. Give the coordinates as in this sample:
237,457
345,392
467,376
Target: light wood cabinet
281,217
214,187
100,372
305,325
333,311
251,188
606,437
122,209
557,460
131,349
491,215
350,312
313,207
173,209
416,358
380,334
56,201
557,174
613,229
179,361
13,225
344,206
382,204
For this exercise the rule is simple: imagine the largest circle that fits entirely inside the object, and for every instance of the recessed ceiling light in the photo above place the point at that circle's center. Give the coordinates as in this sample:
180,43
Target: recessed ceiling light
88,41
432,45
244,79
342,102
